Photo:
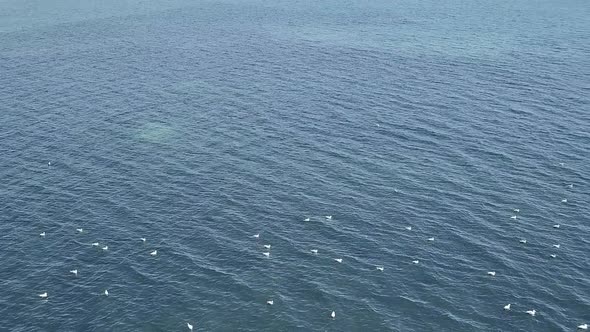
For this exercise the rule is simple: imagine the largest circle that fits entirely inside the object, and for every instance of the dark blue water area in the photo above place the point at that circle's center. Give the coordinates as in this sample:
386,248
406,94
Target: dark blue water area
198,124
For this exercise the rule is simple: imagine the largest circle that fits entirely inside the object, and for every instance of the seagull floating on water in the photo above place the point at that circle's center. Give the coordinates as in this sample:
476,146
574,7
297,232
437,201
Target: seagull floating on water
564,200
106,292
556,246
430,239
270,302
42,234
409,228
306,219
154,253
190,327
583,327
571,185
532,312
380,268
80,230
267,246
329,217
522,241
256,235
416,261
492,273
95,244
333,315
339,260
105,248
516,210
556,226
553,256
507,307
142,239
267,254
43,296
513,217
74,272
314,251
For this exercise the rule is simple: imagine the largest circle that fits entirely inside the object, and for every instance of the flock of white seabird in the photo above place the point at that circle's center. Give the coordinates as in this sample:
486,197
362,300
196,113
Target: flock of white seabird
533,312
507,307
313,251
45,295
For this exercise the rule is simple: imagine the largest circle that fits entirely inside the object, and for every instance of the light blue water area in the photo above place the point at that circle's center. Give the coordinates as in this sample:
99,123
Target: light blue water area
197,124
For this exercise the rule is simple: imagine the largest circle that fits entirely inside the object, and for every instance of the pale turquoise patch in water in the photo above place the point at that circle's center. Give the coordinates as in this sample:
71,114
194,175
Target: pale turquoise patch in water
406,39
155,133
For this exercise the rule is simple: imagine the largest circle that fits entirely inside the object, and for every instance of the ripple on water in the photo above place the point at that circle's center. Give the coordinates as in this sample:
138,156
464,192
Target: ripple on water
197,125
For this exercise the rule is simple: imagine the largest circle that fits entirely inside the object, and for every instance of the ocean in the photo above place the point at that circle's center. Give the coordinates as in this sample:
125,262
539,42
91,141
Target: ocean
438,135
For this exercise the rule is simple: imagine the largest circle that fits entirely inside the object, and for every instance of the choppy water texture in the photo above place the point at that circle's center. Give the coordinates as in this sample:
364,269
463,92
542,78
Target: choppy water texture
197,124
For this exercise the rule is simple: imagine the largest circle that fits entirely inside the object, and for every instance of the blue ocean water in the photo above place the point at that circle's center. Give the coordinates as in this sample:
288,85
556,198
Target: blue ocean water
197,124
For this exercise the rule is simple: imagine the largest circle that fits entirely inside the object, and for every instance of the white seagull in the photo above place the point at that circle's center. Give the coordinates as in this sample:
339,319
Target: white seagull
314,251
143,239
556,226
430,239
507,307
306,219
95,244
267,246
106,292
270,302
329,217
339,260
571,185
583,327
80,230
513,217
532,312
557,246
267,254
409,228
553,256
256,235
105,248
564,200
333,315
74,272
42,234
190,327
154,253
522,241
492,273
380,268
416,261
516,210
43,296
